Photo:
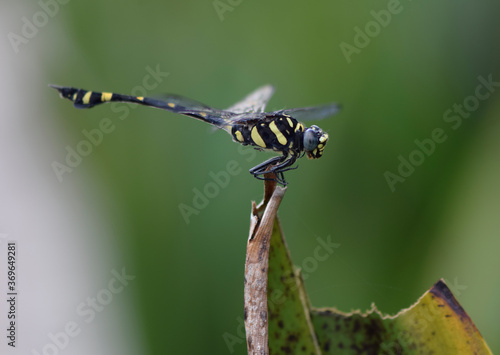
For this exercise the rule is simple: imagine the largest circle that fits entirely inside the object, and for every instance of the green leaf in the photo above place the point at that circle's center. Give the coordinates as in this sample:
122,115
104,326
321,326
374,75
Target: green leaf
290,327
436,324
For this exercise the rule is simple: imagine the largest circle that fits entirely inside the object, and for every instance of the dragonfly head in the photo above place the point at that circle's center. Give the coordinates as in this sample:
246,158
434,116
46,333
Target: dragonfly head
314,142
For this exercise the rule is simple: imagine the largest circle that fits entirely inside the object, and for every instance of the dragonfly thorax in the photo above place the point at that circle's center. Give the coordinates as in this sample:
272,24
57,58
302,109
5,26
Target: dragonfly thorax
314,142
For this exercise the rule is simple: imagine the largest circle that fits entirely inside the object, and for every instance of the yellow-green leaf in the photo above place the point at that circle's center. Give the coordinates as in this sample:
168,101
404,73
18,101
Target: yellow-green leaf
290,328
436,324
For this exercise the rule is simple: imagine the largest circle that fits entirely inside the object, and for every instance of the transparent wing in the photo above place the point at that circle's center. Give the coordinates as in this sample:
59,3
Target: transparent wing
250,118
300,114
189,107
185,102
255,101
312,113
183,106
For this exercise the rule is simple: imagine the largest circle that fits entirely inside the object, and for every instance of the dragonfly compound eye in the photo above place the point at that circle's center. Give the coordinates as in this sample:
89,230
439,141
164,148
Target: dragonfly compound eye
314,142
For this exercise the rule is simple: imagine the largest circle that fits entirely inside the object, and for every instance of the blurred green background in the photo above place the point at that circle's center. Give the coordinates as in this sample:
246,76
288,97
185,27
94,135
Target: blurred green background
395,87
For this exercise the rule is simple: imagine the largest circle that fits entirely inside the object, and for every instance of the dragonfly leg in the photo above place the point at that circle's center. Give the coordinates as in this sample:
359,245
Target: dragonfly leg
282,165
261,168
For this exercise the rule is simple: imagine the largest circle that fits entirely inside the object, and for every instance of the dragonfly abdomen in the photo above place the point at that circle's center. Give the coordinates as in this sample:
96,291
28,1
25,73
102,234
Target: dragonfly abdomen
86,99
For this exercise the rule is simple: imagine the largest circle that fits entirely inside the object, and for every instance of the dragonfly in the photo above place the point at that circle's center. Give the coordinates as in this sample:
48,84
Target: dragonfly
279,131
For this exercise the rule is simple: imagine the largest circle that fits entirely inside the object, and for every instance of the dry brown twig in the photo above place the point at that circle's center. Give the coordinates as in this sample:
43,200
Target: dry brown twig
256,267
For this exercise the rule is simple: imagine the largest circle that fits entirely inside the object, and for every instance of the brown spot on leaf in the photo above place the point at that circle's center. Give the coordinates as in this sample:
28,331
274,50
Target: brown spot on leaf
286,350
326,346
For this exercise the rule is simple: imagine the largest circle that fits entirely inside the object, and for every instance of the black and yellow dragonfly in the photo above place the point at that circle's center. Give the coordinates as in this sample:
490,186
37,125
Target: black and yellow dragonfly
246,121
